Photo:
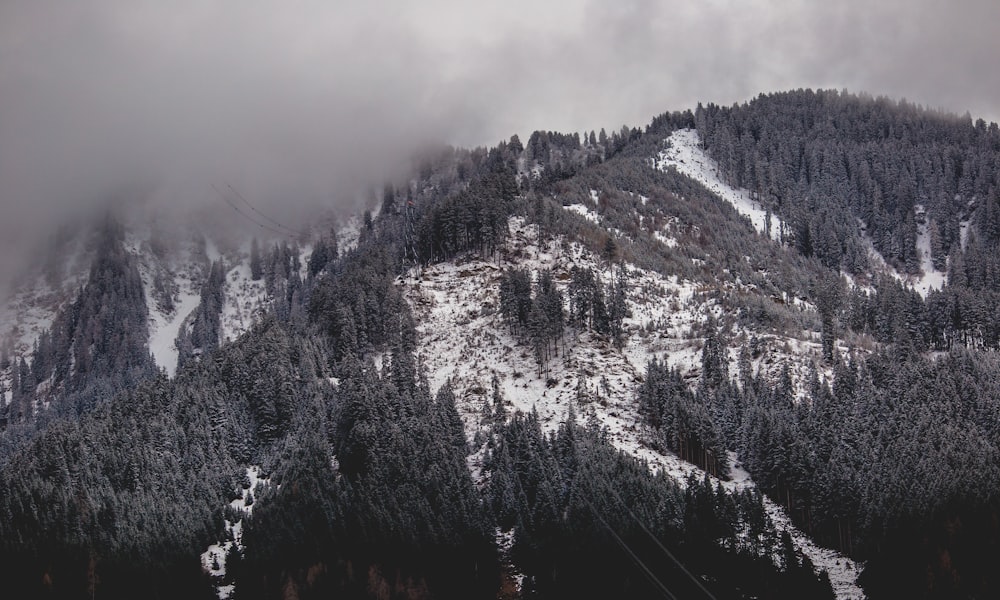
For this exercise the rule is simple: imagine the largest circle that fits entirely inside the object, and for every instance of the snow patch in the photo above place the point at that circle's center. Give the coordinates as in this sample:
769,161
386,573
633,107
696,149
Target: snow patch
245,301
930,278
348,235
683,153
669,242
584,211
963,231
165,325
163,328
213,560
33,303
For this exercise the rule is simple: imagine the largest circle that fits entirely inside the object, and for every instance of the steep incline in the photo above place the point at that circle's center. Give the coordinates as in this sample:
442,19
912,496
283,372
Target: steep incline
683,152
464,339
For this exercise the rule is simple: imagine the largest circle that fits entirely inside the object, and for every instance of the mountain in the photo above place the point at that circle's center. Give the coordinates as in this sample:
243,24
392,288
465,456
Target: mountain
746,351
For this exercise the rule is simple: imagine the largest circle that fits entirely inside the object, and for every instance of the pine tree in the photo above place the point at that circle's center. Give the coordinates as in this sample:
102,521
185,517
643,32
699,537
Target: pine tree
256,268
319,258
618,306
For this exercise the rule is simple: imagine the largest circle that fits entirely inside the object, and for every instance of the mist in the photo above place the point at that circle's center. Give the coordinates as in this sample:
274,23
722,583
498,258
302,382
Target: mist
312,102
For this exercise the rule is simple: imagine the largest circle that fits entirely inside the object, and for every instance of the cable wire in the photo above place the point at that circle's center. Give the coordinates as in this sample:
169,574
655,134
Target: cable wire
249,217
657,541
262,215
635,558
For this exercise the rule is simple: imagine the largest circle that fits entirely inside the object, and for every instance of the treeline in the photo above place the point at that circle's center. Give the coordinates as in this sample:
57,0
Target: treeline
202,331
895,463
552,156
127,496
534,313
957,316
682,419
394,513
537,313
357,305
473,219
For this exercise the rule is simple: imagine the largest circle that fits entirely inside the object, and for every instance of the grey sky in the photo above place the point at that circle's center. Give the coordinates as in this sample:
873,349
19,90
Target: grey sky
304,98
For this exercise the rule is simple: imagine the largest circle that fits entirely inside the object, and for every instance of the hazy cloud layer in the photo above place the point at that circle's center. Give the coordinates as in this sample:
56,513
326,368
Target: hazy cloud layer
304,99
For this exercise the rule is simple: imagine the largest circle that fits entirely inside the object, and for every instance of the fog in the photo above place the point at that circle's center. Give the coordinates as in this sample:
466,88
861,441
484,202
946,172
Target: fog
309,102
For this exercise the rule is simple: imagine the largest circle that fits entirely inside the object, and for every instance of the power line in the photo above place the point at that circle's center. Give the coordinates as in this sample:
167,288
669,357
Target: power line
635,558
249,217
262,215
657,541
243,214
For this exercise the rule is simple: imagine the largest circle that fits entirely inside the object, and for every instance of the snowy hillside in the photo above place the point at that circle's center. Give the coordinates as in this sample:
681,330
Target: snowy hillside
173,260
213,560
464,339
172,282
42,290
930,278
683,152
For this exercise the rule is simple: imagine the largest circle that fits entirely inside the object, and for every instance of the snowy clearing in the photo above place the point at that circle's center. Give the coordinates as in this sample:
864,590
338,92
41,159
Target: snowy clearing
931,278
213,560
683,152
583,211
922,284
163,328
463,338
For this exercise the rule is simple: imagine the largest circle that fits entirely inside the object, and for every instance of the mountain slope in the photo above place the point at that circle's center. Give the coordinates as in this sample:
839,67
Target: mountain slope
535,370
464,342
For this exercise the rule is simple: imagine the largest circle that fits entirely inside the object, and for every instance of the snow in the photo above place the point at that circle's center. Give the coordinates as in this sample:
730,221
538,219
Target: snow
668,241
348,234
463,339
27,314
930,278
447,295
583,211
163,329
33,304
245,301
213,560
185,271
683,153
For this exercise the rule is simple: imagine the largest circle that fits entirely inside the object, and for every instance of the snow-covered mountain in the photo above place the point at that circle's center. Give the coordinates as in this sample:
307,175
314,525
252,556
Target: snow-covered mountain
738,361
462,339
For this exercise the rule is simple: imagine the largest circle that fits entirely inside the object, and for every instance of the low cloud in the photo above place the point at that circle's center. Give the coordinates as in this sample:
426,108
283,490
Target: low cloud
311,101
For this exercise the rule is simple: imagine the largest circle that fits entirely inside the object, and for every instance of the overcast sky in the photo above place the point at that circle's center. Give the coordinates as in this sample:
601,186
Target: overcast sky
300,98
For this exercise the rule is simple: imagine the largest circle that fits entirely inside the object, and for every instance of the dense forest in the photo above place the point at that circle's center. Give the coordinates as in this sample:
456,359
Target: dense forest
114,478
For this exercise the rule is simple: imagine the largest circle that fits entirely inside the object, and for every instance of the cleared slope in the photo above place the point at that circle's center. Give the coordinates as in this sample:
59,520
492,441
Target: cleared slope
463,338
683,152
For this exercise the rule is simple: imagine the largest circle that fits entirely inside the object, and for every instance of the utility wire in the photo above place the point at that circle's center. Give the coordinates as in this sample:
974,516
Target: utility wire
657,541
635,558
262,215
247,216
